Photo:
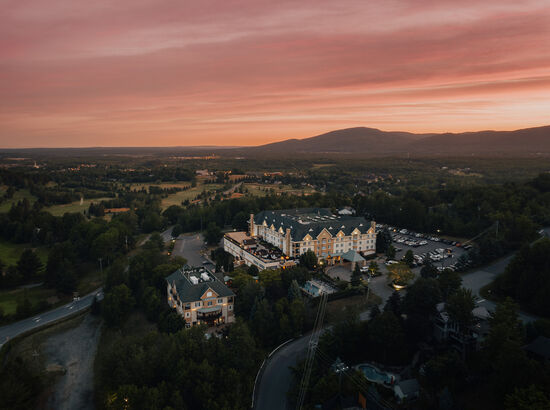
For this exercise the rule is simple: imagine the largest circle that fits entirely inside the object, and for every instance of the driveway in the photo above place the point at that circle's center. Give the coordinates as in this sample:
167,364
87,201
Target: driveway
189,246
482,277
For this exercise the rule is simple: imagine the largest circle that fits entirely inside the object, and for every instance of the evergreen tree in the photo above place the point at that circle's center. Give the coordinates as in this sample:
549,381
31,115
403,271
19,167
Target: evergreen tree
459,307
374,312
356,276
408,259
428,270
308,260
29,265
394,304
294,292
213,234
390,252
383,240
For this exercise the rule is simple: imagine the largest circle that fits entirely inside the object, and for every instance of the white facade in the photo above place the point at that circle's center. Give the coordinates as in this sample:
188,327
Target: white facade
242,255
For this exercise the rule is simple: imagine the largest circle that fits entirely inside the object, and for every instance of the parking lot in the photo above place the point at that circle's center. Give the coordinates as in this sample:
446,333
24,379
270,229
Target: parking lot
443,253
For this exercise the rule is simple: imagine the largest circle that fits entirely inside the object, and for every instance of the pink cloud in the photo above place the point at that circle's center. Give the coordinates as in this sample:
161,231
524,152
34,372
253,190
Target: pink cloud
169,73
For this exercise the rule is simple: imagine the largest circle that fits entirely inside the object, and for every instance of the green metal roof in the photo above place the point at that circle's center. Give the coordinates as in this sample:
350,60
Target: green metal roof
189,292
352,256
311,221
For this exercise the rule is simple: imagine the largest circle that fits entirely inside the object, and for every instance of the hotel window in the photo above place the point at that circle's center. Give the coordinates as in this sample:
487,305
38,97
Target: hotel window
220,300
230,307
187,314
188,306
197,304
210,303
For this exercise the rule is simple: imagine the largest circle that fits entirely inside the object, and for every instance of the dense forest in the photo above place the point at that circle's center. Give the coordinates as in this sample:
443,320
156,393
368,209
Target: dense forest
527,278
167,367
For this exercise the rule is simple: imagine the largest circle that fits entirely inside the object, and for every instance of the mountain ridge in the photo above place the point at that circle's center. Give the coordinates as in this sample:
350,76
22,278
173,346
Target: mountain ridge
363,140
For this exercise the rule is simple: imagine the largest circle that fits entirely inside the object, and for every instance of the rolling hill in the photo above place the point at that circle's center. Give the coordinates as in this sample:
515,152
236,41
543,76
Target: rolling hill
371,141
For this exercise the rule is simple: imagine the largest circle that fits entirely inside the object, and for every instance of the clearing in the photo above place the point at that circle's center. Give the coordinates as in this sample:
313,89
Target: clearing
76,206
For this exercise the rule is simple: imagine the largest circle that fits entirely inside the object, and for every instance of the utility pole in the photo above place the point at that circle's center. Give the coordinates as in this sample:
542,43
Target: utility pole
368,288
313,342
101,264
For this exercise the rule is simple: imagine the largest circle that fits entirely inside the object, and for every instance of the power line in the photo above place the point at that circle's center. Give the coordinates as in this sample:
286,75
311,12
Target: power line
312,347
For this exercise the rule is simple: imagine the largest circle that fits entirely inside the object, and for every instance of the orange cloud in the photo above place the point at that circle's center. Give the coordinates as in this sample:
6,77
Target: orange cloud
158,72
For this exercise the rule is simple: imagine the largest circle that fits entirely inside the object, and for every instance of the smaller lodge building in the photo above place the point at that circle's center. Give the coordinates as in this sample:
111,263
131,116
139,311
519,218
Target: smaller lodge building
199,297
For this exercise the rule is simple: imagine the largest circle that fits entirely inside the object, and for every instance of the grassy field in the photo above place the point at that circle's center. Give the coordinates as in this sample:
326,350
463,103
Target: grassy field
18,196
317,166
338,310
10,252
9,298
88,283
259,189
190,194
179,184
60,210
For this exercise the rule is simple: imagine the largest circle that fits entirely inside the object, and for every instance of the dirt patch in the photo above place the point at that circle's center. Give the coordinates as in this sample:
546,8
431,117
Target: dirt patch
71,353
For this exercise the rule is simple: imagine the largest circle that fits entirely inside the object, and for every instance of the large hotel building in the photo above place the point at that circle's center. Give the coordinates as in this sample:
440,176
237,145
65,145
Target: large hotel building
295,231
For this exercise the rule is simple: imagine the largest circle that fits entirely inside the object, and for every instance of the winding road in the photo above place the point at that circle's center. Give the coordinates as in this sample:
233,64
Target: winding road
10,331
277,377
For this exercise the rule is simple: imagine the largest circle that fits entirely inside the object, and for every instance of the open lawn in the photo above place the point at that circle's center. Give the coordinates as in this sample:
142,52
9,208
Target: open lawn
317,166
190,194
338,310
146,185
10,252
10,298
17,196
260,189
77,206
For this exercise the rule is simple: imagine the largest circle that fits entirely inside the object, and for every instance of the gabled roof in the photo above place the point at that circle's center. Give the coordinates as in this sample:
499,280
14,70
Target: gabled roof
540,346
352,256
189,292
312,221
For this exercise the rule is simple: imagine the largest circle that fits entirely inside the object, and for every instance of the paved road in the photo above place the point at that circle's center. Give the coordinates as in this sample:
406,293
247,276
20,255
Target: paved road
482,277
276,379
8,332
190,246
167,234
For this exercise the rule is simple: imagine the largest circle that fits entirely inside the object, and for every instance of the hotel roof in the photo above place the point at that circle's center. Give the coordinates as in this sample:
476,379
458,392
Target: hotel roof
312,221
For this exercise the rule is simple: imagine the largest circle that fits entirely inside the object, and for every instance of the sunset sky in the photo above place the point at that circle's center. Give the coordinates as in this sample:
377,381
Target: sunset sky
180,72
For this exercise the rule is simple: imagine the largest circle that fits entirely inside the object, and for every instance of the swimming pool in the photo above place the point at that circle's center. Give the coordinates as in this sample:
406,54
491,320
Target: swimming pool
374,375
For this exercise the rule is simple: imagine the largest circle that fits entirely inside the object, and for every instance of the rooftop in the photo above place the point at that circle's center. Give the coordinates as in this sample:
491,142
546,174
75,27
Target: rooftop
312,221
540,346
192,283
